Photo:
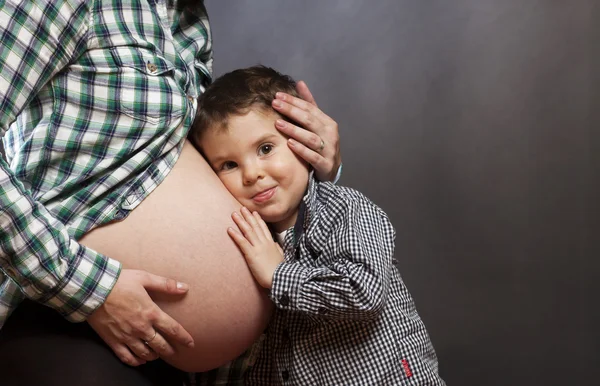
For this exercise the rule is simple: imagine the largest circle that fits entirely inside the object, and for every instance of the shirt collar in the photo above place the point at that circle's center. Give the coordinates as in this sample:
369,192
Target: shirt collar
306,211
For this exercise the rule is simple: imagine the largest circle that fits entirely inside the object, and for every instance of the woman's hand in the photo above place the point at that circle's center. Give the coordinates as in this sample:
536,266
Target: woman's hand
319,144
134,327
262,254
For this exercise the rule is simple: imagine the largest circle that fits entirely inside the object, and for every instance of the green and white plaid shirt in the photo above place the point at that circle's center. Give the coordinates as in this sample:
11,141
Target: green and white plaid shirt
96,98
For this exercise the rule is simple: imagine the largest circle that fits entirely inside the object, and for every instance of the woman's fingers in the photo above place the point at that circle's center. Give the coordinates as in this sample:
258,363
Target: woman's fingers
318,143
160,345
129,315
318,162
141,350
306,114
122,351
308,145
305,137
305,93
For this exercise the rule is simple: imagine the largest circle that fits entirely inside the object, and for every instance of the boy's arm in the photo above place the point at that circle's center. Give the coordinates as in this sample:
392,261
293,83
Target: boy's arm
354,258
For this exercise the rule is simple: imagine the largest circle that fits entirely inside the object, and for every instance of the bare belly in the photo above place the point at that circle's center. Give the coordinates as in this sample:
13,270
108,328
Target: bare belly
179,231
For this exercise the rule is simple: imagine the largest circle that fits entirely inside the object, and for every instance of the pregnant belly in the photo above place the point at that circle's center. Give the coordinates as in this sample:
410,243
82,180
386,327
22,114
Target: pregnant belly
179,231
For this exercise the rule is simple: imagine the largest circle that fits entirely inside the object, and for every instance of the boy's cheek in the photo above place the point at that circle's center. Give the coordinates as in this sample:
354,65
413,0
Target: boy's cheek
230,184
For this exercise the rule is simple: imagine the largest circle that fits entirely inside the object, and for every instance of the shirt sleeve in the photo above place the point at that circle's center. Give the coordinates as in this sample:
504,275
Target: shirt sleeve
204,52
353,246
36,252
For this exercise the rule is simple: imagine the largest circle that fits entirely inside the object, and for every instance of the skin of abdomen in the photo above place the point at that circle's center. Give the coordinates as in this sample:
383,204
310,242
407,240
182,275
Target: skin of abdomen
180,231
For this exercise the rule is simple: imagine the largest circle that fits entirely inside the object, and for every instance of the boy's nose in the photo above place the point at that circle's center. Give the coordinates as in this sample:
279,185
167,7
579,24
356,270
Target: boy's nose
252,174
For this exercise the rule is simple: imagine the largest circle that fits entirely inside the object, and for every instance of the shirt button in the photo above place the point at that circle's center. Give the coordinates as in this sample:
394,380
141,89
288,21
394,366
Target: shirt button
284,300
152,67
285,375
190,98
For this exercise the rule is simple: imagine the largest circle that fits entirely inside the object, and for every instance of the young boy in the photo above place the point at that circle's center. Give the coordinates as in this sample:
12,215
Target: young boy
343,315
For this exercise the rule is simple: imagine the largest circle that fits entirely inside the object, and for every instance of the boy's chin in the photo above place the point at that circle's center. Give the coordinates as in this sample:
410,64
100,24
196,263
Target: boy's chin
272,219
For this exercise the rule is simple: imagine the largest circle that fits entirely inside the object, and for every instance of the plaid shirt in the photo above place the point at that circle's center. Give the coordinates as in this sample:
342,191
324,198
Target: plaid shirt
343,316
96,98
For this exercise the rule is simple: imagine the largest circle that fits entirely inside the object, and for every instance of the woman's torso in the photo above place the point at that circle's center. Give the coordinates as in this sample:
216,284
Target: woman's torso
107,129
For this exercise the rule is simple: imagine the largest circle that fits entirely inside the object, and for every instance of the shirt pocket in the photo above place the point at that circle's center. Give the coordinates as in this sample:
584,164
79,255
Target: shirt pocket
147,89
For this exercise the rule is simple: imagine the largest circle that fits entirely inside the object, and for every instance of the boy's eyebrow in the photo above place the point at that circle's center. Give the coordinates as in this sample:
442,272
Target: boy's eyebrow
263,139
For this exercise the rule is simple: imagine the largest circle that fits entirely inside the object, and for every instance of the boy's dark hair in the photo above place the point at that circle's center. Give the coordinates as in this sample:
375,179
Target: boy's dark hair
235,93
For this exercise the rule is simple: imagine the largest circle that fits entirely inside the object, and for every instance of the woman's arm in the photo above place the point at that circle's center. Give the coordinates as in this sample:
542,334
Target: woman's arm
36,252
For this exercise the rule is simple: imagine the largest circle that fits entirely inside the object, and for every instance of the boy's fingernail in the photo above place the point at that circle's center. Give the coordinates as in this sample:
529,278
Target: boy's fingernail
277,103
280,95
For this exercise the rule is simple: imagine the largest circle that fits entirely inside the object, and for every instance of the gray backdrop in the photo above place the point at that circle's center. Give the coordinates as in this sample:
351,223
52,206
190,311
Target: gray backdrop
473,123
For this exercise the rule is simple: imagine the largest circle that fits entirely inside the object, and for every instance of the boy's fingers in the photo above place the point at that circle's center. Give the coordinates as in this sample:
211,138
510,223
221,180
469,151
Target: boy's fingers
240,240
246,229
263,225
250,219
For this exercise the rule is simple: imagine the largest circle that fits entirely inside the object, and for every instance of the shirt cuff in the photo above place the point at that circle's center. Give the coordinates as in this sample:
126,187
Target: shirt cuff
87,285
338,175
285,289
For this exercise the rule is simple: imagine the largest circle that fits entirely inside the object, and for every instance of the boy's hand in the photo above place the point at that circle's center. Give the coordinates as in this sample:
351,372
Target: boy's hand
317,141
262,254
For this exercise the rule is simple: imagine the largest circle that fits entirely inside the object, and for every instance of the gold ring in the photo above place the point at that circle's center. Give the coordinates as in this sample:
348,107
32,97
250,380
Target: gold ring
322,146
147,342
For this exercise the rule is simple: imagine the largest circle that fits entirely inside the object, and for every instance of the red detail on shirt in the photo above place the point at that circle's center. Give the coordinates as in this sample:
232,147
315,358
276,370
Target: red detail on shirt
406,368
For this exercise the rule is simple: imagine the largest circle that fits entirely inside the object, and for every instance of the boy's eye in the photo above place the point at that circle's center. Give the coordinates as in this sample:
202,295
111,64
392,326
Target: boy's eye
265,149
228,165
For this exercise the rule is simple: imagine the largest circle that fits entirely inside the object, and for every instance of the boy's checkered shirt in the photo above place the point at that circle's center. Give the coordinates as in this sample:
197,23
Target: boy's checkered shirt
344,315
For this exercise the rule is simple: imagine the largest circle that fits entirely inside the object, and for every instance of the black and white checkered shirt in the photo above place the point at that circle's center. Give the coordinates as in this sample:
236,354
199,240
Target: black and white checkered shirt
343,316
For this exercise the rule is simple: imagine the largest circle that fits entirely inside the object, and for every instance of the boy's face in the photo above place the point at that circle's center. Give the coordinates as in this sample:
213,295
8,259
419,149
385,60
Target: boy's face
253,160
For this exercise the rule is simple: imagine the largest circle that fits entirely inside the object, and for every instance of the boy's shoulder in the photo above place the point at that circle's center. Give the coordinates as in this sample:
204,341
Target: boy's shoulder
331,197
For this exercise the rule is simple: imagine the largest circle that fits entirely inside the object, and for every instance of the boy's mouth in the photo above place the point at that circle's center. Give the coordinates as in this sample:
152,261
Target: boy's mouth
265,195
